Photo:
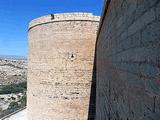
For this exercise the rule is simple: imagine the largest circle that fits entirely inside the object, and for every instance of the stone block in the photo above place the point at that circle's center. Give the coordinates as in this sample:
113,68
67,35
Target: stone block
149,71
157,8
153,2
153,86
151,35
132,41
132,5
124,35
142,7
142,21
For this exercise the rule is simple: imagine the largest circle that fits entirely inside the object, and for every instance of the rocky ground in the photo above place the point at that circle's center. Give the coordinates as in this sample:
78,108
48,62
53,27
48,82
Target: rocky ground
12,71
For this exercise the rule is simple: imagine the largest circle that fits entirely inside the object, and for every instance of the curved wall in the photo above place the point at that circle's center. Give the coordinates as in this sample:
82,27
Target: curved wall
61,54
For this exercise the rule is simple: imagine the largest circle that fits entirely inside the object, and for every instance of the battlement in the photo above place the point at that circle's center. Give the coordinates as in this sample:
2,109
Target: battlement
64,17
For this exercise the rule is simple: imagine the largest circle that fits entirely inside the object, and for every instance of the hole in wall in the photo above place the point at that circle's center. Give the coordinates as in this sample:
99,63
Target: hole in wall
72,56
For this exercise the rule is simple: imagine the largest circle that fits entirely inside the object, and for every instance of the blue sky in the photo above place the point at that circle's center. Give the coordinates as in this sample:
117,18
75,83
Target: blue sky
16,14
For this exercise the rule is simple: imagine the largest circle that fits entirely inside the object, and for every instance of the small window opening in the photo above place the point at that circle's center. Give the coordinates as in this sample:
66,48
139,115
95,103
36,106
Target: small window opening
72,56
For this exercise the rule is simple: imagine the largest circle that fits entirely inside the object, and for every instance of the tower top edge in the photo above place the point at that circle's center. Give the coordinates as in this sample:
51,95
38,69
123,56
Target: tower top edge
75,16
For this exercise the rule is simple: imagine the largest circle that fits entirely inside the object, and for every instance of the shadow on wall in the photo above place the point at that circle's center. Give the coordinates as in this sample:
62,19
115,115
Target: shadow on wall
92,101
128,61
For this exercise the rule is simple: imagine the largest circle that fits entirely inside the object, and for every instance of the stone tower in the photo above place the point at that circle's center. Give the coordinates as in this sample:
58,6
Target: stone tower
61,54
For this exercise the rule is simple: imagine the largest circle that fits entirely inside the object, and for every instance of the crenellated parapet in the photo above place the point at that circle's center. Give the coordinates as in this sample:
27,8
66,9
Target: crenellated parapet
77,16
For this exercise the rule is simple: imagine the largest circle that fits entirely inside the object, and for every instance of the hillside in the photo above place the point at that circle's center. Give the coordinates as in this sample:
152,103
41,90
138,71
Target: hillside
12,71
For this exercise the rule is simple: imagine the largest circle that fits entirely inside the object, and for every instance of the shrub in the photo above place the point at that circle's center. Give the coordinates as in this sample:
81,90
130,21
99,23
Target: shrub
23,101
13,105
14,88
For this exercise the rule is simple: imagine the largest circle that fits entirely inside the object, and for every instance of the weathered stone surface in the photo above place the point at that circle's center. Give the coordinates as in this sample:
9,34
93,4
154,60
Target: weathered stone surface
128,61
61,54
151,35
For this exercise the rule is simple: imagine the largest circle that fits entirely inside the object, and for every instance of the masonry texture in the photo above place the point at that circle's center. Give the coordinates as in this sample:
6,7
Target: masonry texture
128,61
61,55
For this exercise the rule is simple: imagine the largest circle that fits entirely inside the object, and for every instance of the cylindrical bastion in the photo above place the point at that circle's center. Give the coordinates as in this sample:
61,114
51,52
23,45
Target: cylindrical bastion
60,66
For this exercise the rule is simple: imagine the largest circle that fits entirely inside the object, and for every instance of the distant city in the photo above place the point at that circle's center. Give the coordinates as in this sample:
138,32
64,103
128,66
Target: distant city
13,57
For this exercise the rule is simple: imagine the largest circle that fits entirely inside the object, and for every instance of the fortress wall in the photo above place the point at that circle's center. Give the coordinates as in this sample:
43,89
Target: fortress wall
128,61
61,53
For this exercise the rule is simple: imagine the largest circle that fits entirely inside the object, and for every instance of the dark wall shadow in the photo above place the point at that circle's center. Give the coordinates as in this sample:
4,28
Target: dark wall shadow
92,101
